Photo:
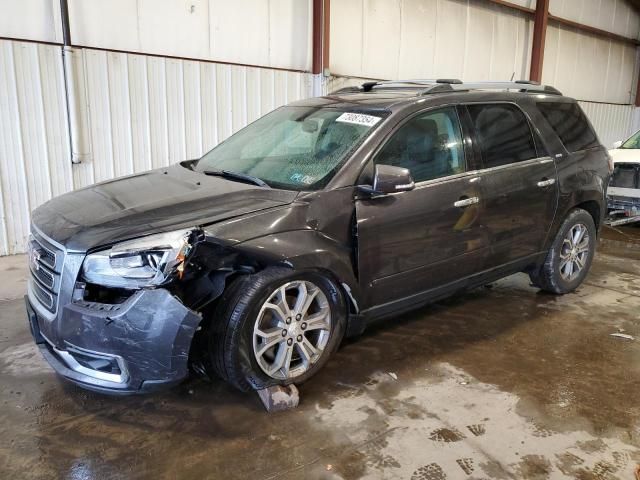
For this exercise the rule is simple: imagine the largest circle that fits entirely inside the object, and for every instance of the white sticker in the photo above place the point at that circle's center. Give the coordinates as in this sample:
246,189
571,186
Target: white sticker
358,119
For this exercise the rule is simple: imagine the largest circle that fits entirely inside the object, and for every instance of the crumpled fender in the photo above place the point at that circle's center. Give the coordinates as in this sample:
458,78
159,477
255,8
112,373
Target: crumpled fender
306,250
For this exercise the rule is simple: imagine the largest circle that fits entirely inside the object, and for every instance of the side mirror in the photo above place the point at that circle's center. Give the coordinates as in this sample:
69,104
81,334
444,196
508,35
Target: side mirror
617,144
390,179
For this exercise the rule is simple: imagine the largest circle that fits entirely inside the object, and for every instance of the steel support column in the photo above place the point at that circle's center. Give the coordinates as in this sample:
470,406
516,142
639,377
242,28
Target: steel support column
318,36
541,18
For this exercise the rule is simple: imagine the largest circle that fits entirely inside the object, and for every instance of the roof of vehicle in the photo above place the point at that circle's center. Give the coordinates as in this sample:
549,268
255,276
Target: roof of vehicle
396,94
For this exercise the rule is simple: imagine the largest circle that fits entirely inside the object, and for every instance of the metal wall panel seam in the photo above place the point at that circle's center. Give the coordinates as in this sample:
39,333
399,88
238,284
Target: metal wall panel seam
44,133
165,85
52,79
200,96
31,118
4,145
84,173
129,132
16,231
147,96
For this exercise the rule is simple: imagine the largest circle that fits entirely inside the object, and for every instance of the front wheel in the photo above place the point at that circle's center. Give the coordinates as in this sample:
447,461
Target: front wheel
276,327
570,256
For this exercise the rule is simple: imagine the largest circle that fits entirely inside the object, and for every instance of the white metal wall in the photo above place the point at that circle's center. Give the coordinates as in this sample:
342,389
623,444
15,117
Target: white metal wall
274,33
270,33
617,16
428,39
611,122
34,147
144,112
472,40
589,68
31,19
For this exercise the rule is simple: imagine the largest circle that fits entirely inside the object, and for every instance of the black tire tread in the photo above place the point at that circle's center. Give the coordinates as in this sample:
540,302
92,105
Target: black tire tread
546,277
225,340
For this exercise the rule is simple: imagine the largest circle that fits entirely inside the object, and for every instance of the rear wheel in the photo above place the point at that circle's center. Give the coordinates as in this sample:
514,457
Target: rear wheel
570,256
276,327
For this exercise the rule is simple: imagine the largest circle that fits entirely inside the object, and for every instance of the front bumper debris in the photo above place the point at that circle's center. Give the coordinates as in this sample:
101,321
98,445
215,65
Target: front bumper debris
137,346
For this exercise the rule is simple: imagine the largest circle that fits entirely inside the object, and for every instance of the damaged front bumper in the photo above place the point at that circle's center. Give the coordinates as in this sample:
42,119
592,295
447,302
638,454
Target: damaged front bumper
133,347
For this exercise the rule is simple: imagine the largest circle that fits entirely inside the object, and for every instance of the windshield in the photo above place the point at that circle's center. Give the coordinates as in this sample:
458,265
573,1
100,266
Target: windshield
632,142
295,148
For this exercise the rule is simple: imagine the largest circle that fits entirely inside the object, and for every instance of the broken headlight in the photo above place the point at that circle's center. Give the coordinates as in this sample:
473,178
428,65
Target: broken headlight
143,262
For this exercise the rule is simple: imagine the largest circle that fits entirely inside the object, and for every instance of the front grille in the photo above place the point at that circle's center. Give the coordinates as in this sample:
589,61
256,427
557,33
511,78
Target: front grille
46,278
45,262
46,298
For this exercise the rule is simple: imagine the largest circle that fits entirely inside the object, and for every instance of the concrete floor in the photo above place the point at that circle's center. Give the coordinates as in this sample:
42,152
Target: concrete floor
503,382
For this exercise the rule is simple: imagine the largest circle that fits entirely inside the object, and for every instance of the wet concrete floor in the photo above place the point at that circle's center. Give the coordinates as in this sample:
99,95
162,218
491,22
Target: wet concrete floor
502,382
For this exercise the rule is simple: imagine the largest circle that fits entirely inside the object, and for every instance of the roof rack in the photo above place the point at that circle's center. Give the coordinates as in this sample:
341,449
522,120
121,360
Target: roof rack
520,85
442,85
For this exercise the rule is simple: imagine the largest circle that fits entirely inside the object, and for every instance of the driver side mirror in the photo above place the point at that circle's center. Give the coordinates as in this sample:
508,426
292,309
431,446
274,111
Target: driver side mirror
390,179
617,144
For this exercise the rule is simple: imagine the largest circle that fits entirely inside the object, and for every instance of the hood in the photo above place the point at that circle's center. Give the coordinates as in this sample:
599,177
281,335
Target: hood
150,202
625,155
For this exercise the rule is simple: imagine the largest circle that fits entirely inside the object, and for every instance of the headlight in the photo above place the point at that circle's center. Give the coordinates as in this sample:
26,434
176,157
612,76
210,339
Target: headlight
138,263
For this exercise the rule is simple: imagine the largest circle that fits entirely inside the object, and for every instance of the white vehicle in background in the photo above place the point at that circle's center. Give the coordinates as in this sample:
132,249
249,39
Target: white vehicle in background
624,187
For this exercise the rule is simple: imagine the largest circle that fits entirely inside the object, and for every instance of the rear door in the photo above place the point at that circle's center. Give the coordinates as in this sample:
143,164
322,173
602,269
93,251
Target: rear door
519,182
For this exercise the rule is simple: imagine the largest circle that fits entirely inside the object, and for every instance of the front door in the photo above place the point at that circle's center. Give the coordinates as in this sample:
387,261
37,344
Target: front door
519,186
414,241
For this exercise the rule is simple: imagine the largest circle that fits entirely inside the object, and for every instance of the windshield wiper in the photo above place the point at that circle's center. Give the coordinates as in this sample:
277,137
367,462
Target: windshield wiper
242,177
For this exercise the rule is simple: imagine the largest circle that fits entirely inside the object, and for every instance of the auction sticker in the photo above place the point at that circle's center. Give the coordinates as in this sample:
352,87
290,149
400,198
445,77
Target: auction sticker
358,119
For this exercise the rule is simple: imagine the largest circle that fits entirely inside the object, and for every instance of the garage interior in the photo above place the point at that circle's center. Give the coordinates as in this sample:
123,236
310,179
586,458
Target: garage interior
501,382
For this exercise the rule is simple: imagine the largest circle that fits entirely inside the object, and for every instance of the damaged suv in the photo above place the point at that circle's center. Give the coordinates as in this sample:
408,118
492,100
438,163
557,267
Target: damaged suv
256,260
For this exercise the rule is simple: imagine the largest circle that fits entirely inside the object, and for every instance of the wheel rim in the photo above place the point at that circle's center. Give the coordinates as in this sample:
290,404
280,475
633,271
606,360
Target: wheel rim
292,329
574,252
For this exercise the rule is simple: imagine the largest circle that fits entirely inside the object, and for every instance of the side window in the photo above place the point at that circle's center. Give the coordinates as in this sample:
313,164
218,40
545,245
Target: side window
429,145
503,133
571,125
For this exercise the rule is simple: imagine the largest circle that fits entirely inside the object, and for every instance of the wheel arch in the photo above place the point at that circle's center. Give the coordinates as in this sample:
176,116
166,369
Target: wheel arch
593,208
307,250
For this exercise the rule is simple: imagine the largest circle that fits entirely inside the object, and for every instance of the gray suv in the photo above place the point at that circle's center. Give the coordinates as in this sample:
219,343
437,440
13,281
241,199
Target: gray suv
256,260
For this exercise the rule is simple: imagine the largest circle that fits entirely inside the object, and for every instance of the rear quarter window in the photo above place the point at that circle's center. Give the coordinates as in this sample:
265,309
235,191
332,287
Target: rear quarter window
570,124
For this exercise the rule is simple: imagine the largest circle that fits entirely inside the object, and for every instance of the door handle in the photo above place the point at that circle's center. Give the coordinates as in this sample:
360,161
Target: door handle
465,202
546,183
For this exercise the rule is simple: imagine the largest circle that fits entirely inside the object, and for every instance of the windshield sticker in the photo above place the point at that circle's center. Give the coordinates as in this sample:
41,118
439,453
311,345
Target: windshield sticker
300,178
358,119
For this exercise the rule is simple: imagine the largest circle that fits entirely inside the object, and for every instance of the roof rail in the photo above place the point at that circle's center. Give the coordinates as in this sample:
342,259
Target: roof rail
520,85
442,85
428,84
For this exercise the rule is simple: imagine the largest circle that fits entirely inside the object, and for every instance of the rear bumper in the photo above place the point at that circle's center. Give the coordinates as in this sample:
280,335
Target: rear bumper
139,346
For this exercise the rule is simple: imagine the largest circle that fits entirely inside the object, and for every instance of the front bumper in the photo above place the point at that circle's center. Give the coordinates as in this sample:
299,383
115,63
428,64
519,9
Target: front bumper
137,346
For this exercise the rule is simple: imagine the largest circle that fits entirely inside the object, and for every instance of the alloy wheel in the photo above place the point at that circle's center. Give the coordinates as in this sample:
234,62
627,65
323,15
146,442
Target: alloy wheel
292,329
574,252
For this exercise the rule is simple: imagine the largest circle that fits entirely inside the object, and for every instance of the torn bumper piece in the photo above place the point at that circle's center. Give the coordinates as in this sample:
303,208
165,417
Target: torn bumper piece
138,346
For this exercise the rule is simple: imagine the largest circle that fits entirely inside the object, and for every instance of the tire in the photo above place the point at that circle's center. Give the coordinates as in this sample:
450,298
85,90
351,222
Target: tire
559,275
234,345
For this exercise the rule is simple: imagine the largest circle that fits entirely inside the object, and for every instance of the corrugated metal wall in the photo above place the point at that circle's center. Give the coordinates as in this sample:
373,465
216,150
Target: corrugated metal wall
589,68
273,33
611,122
34,142
483,41
144,112
429,39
